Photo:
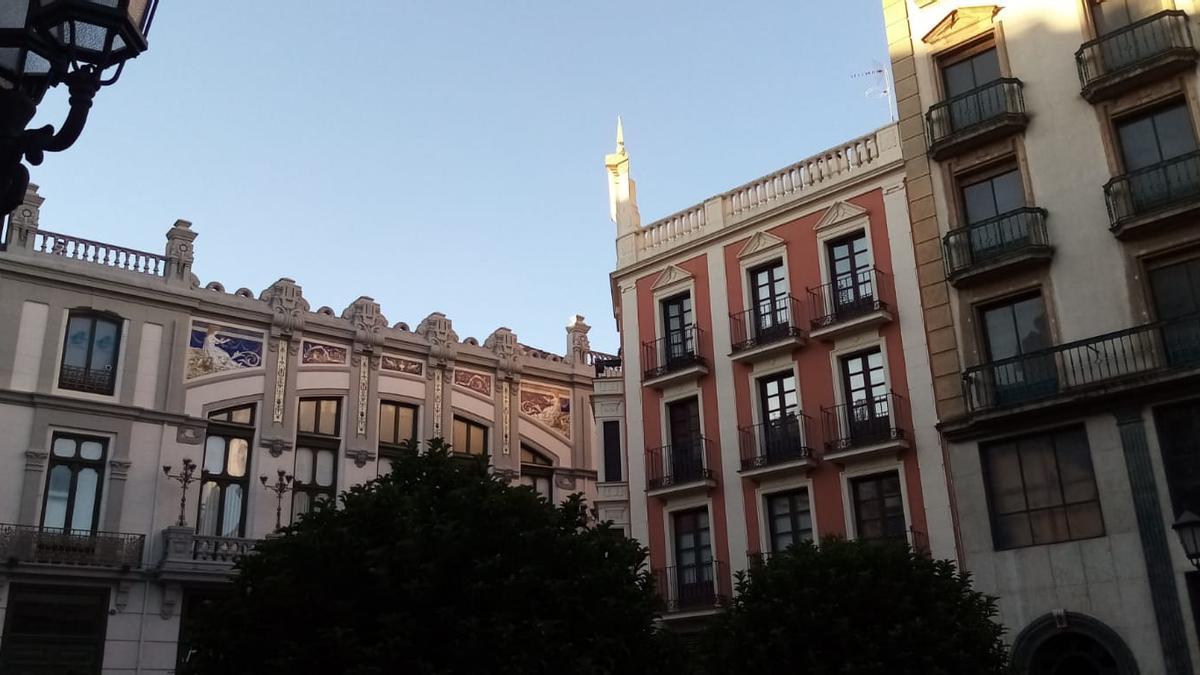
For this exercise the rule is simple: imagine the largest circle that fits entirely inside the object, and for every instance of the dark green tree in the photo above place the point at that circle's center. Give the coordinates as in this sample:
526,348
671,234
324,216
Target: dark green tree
437,567
853,608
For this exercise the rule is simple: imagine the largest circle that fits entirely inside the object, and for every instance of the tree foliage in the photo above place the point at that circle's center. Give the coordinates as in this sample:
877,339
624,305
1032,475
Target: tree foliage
437,567
853,608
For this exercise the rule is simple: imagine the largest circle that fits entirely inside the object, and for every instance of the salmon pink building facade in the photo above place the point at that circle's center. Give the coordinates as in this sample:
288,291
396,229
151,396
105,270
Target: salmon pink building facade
776,385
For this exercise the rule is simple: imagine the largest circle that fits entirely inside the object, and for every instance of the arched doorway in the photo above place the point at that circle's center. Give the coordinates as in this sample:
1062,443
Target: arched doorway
1065,643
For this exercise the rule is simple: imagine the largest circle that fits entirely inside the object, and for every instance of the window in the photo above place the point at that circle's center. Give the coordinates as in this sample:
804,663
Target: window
777,396
1155,137
769,293
225,473
1014,332
677,325
397,425
970,73
1041,489
987,197
536,471
1112,15
1176,290
317,445
967,72
868,408
878,507
1179,438
780,437
693,558
687,450
789,519
54,630
89,358
73,482
850,272
612,451
470,438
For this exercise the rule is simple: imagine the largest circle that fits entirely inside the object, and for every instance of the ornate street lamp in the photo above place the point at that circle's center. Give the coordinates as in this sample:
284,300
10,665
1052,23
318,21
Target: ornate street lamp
280,487
81,43
1188,529
184,478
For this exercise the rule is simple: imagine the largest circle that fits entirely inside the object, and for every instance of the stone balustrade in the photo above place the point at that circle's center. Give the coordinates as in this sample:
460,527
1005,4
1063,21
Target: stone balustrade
186,553
99,253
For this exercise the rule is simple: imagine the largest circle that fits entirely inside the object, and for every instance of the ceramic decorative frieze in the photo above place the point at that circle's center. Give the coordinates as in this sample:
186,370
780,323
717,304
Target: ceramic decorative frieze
397,364
506,417
478,382
280,382
549,405
364,384
319,353
215,348
437,402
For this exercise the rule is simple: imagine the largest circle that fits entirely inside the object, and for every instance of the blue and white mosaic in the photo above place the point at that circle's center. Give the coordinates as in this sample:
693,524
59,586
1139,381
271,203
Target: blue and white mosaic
213,348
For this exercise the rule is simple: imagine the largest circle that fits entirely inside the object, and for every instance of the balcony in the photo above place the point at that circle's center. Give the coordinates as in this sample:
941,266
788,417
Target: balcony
675,358
83,379
851,303
691,588
74,548
1134,355
680,468
1141,52
1155,195
777,447
865,429
976,117
996,246
766,330
196,556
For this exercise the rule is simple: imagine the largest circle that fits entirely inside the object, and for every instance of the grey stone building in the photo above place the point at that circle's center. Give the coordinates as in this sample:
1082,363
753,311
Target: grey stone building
117,365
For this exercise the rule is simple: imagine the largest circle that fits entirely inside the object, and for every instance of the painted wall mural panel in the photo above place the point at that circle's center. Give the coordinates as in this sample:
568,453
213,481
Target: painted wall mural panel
214,348
480,383
549,405
319,353
400,365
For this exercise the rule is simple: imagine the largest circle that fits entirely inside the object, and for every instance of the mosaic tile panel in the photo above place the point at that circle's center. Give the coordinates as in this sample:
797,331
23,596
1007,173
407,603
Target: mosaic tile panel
214,348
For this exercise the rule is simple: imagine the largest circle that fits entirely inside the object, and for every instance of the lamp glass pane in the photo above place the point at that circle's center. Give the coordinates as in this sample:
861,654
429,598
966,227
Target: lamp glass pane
1190,536
9,58
35,64
12,14
90,37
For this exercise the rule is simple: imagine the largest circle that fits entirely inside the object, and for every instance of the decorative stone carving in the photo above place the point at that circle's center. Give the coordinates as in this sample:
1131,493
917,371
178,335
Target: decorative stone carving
436,374
402,365
549,405
962,23
474,380
671,276
171,594
288,307
503,343
276,446
758,243
839,213
280,382
190,435
443,341
23,222
578,344
214,348
506,417
180,253
364,384
369,322
35,460
321,354
564,482
121,597
360,457
118,469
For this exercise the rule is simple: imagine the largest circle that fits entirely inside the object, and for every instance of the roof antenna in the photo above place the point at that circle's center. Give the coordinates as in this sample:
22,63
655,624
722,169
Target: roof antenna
880,87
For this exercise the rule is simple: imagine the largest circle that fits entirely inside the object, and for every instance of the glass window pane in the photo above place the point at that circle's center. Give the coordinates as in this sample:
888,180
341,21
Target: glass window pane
1049,526
78,340
300,503
1075,467
104,345
324,468
1040,472
1173,291
64,447
91,450
304,464
387,423
1012,531
1032,329
1085,520
460,436
328,417
242,415
406,418
239,452
308,416
210,506
1139,147
1175,136
57,491
1004,478
1010,195
959,78
87,482
986,66
214,454
231,525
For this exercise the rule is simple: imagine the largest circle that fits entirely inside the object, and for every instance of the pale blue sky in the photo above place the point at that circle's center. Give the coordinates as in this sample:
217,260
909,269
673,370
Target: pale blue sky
448,155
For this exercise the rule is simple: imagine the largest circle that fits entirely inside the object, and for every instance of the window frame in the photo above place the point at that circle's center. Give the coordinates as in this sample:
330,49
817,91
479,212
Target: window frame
229,430
389,450
1174,99
852,483
471,425
317,442
977,175
543,470
985,340
790,495
94,316
612,451
968,49
986,476
75,464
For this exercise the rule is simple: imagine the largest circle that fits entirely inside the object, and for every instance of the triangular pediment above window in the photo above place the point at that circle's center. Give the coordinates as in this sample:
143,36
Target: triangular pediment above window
671,276
839,213
761,241
962,22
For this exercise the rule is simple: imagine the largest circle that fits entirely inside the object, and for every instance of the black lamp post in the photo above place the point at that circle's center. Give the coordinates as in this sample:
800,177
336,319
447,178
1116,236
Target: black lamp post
184,478
81,43
280,487
1187,526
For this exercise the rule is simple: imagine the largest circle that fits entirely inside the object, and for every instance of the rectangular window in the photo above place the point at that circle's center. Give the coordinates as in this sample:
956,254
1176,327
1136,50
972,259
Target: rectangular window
397,426
677,328
985,198
470,438
970,73
769,293
54,630
1041,489
693,558
317,447
868,407
686,449
225,473
789,519
612,451
1155,137
1176,291
537,471
965,79
73,482
1178,427
850,274
89,358
878,507
1113,15
1014,332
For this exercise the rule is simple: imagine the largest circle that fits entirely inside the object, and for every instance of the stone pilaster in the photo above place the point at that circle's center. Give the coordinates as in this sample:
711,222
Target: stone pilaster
288,308
506,448
35,474
443,347
180,254
118,473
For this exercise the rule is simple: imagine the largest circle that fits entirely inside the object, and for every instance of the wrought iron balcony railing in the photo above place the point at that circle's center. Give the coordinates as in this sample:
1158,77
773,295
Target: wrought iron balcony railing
963,115
675,351
864,423
776,441
84,548
1170,183
93,381
691,587
766,322
1133,46
1007,235
849,296
1047,373
679,463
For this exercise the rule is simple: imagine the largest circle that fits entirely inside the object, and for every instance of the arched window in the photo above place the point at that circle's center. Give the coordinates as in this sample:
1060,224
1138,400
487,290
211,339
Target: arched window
1066,643
89,357
226,472
537,470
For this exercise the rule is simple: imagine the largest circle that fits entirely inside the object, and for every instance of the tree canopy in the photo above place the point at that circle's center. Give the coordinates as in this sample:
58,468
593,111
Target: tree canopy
853,608
437,567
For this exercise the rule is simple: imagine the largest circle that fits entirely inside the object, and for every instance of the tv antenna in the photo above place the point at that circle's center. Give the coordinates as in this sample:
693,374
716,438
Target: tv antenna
880,84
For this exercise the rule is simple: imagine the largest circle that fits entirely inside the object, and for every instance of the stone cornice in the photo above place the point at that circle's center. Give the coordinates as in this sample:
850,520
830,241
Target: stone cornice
104,408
